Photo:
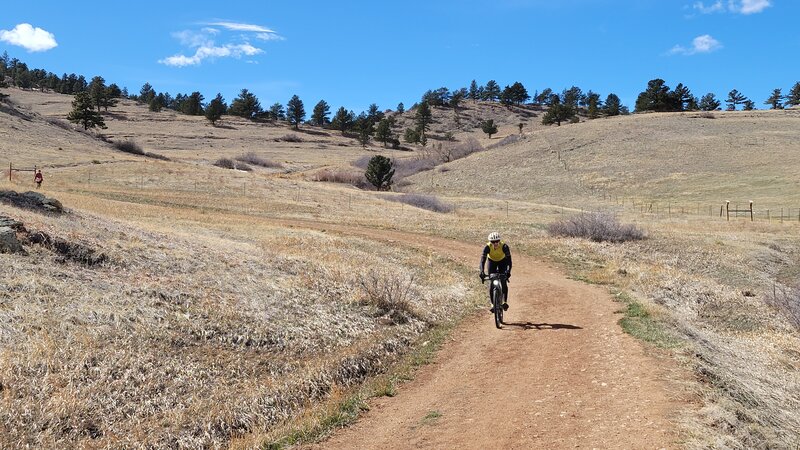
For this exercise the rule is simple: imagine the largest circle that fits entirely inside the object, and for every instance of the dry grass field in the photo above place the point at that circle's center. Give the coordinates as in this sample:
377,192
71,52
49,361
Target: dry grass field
217,315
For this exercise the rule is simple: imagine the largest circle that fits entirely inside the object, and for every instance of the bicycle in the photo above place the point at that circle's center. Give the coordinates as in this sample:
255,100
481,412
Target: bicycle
496,296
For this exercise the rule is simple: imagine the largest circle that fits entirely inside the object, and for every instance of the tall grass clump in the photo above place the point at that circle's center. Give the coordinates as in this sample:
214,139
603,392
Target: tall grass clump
390,293
597,226
429,202
252,158
787,302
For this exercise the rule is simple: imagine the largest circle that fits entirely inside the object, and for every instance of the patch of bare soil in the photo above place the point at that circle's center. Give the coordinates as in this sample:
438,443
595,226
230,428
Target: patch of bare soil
560,374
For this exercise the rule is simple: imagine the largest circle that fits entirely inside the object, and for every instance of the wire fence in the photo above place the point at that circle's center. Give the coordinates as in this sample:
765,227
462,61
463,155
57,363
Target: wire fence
215,183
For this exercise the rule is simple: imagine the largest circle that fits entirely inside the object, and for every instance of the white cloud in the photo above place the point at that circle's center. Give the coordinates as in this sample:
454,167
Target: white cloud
754,6
263,33
205,52
716,7
241,27
700,44
32,39
269,37
733,6
204,42
194,39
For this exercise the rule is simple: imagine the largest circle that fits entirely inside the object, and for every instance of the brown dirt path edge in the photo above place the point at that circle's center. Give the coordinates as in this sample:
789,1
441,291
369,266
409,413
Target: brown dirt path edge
560,374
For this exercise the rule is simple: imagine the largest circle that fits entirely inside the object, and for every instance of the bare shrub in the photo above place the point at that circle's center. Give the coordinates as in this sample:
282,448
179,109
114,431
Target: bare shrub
129,147
407,167
390,293
507,140
341,176
290,138
597,226
787,302
225,163
707,115
60,123
252,158
450,152
429,202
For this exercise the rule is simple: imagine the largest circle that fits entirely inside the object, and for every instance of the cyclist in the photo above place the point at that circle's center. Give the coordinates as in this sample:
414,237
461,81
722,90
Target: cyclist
499,262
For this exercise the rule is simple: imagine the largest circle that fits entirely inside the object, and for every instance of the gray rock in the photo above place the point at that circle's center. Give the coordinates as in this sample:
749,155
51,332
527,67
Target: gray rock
9,242
11,223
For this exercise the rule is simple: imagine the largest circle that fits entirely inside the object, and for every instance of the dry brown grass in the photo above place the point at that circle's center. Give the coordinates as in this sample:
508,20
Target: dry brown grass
185,337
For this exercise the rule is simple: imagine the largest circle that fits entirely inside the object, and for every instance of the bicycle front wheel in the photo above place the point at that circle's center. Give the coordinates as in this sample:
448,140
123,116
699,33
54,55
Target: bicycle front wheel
497,303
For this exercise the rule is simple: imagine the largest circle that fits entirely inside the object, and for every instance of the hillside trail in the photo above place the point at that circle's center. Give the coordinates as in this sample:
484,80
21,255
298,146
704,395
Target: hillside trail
559,374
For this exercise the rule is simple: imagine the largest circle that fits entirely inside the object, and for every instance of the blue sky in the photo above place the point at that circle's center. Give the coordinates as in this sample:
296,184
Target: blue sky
356,53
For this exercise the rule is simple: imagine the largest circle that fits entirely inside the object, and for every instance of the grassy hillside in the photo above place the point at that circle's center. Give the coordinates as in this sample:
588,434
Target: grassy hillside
191,306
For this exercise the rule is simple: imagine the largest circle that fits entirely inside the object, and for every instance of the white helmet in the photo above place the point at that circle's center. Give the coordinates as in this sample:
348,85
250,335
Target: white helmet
494,236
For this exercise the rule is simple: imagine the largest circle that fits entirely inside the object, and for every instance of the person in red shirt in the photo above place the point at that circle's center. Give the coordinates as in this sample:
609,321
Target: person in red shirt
38,178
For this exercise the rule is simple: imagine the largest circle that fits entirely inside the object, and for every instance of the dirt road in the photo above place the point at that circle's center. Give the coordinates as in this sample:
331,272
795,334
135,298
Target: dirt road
560,374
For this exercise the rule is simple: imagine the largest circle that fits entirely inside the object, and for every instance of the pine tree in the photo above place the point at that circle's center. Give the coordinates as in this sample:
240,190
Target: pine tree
365,129
592,105
572,97
489,127
380,172
193,106
734,98
374,114
709,102
612,105
112,93
401,108
320,115
492,91
656,97
681,97
793,99
295,112
97,91
775,100
145,94
544,97
83,113
157,103
276,112
215,109
558,112
245,105
411,136
423,118
383,132
473,91
343,120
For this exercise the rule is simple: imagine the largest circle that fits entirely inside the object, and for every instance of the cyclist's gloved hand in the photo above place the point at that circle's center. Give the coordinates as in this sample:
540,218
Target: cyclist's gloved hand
508,274
483,276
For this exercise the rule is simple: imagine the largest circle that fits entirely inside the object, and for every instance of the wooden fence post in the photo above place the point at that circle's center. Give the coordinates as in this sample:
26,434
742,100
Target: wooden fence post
751,211
727,210
10,168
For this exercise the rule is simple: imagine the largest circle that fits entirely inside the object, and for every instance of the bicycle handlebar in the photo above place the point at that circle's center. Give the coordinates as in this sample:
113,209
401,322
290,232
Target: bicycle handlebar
495,276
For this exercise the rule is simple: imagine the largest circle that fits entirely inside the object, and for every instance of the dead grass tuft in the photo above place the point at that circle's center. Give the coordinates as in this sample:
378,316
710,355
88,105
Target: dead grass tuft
254,159
787,302
389,293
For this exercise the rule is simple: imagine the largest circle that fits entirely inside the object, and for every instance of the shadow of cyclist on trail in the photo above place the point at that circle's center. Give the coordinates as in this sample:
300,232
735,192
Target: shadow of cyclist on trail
542,326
